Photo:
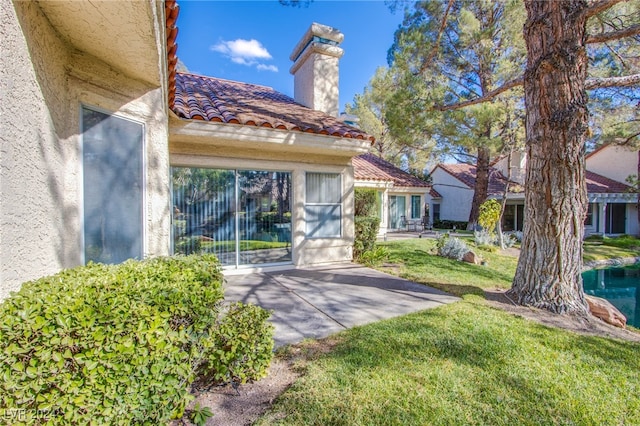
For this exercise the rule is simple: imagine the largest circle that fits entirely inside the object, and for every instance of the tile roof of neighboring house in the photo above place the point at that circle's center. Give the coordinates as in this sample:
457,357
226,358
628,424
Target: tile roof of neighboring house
212,99
373,168
466,174
598,184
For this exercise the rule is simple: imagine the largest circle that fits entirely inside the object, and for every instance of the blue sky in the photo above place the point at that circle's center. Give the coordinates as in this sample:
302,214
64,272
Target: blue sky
251,41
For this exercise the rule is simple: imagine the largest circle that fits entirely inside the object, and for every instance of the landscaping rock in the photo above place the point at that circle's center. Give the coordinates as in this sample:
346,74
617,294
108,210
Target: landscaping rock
601,308
471,257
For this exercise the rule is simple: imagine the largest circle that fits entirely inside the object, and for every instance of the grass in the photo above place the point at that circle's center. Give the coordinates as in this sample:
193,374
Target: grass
416,262
464,363
598,248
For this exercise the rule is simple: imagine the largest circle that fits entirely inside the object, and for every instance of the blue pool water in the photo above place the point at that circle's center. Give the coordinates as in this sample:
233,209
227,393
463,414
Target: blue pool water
620,286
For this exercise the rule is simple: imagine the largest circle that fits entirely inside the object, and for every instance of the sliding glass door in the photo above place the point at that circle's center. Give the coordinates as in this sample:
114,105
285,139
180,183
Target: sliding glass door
242,216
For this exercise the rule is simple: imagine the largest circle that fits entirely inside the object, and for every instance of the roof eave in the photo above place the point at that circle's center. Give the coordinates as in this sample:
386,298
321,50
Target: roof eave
241,137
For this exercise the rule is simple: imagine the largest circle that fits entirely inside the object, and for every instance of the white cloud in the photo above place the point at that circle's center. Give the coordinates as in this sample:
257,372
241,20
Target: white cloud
245,52
242,51
263,67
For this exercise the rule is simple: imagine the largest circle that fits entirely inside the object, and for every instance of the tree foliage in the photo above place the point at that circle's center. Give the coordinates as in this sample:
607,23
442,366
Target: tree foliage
489,215
450,53
556,80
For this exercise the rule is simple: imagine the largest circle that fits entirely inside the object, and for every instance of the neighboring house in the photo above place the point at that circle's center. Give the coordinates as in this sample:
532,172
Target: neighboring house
612,206
455,184
402,196
109,153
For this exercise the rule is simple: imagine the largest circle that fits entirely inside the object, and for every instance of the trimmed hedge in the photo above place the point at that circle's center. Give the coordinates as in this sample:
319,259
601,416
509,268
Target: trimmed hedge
367,222
449,224
121,344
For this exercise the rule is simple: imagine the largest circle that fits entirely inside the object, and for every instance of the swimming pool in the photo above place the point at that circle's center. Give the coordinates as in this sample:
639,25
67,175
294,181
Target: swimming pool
620,286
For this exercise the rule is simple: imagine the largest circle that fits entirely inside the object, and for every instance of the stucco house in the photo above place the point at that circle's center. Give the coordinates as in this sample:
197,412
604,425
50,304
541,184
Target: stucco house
612,210
455,185
402,196
109,153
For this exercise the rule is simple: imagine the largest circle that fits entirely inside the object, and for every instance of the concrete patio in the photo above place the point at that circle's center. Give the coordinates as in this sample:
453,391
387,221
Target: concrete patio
319,301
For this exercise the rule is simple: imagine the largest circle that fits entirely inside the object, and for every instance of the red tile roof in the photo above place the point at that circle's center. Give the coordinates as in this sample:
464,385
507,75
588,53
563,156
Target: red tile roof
467,174
212,99
598,184
373,168
171,11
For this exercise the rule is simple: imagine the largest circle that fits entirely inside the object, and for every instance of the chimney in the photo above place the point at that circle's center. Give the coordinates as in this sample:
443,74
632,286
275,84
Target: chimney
315,68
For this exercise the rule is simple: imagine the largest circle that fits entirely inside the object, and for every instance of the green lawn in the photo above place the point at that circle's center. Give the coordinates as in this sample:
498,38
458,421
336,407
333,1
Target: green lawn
416,261
463,363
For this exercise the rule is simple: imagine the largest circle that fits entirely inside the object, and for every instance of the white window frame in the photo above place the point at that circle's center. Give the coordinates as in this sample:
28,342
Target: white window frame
81,197
324,204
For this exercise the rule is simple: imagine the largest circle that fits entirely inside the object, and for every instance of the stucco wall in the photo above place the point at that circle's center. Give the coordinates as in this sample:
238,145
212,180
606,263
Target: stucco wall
456,197
316,83
305,251
614,162
43,83
34,216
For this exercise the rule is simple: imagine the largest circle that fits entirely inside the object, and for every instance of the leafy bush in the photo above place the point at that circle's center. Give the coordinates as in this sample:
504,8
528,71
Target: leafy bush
449,224
451,247
366,202
484,238
366,233
367,222
489,215
374,257
120,344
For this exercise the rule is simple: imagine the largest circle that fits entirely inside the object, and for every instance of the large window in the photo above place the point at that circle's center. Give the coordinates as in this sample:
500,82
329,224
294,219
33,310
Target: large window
323,206
242,216
416,210
112,153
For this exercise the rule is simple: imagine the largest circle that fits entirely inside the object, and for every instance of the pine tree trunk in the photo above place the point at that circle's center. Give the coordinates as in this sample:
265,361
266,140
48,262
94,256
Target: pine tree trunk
482,185
549,269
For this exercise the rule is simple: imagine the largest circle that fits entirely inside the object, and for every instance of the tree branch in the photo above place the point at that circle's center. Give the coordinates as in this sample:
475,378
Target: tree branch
436,44
487,97
614,35
603,82
600,6
590,84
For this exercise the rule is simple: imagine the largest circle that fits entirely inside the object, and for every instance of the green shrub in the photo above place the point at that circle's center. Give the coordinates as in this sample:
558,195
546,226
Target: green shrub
366,202
374,257
366,233
489,215
449,224
120,344
451,247
367,221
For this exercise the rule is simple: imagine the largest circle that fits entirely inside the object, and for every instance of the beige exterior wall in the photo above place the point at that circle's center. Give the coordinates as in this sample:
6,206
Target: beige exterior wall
44,81
316,83
615,162
304,251
457,198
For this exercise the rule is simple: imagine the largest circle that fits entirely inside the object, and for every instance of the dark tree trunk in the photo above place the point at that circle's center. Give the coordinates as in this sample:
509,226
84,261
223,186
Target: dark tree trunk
549,269
482,185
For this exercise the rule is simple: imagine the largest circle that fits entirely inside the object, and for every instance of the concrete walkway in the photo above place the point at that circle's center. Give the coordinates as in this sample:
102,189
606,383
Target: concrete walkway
319,301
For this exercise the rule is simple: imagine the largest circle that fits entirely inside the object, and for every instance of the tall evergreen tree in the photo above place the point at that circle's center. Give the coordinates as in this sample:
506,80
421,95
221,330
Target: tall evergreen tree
556,81
451,53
